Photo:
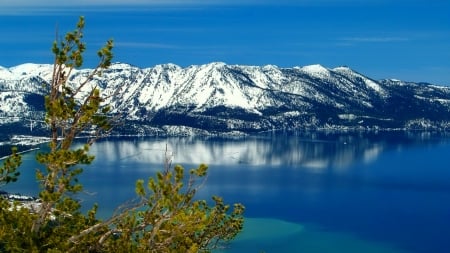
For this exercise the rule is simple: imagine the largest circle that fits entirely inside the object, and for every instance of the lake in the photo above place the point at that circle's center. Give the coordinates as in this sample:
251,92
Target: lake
304,192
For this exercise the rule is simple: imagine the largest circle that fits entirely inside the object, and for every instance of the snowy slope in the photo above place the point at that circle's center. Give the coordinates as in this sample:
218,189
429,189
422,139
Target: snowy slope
220,97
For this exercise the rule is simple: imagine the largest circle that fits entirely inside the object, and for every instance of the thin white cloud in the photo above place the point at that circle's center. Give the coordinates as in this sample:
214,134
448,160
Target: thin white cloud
46,7
145,45
352,41
373,39
84,3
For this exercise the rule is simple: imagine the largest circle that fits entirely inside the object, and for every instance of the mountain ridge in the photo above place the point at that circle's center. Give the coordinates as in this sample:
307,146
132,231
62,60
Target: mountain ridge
218,98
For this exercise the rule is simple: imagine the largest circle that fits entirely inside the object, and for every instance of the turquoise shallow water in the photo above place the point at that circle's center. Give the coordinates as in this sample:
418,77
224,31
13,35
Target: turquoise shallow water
272,235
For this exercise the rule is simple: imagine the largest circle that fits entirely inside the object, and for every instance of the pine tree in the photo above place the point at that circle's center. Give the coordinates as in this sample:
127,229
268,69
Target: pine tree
166,217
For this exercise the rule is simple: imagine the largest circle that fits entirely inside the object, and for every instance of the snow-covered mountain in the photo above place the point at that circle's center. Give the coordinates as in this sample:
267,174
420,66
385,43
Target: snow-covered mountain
217,98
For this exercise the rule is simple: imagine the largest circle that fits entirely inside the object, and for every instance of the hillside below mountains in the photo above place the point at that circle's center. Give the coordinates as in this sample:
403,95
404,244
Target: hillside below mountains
217,98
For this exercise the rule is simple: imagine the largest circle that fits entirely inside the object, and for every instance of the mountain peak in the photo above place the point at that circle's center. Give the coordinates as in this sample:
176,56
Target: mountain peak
270,67
217,63
316,70
29,68
342,69
171,66
211,65
121,65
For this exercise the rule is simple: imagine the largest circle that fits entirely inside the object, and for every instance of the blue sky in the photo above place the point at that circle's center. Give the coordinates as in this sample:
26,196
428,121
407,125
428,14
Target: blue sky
403,39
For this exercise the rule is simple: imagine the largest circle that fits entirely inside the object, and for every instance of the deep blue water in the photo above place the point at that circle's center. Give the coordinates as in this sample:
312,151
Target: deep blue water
309,192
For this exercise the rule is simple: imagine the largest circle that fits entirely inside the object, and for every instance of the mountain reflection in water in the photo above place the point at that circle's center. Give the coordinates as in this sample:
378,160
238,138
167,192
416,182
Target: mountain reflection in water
316,150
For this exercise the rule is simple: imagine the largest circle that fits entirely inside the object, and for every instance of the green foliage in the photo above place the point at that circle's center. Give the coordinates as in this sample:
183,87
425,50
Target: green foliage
166,217
173,221
8,170
70,112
